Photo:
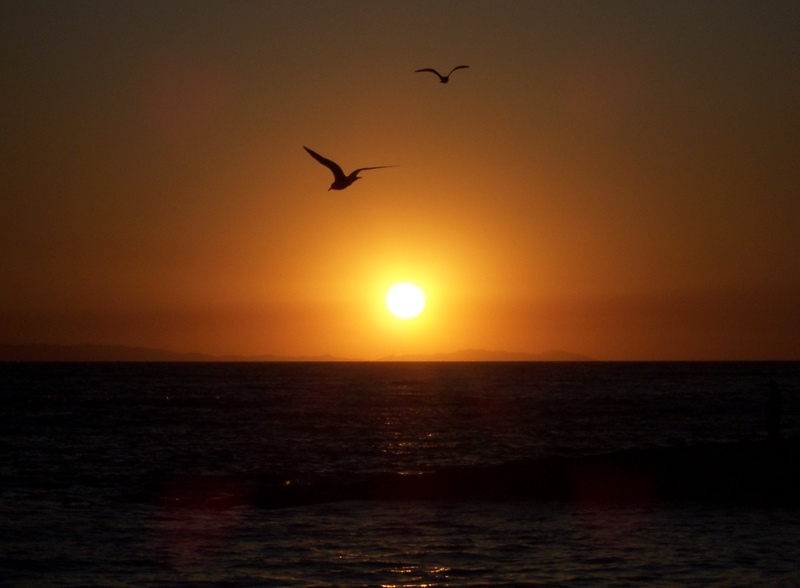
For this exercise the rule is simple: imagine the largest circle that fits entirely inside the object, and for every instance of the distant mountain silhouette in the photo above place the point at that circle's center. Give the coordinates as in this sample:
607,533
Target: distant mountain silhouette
484,355
88,352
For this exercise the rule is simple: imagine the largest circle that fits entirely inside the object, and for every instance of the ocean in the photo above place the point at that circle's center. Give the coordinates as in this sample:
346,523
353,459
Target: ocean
264,474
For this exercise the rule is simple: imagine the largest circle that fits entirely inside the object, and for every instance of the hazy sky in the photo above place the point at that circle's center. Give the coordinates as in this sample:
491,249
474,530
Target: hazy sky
618,179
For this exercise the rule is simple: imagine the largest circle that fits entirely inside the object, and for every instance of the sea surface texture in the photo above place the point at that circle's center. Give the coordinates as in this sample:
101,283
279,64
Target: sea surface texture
174,474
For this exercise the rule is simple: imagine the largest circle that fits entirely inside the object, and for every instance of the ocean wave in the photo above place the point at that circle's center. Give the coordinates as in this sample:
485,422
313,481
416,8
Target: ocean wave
758,473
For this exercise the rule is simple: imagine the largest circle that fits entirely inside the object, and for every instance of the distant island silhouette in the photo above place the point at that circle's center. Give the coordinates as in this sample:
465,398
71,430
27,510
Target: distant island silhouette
484,355
88,352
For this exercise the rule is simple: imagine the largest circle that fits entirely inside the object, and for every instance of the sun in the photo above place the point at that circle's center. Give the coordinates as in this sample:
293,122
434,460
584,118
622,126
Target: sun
405,300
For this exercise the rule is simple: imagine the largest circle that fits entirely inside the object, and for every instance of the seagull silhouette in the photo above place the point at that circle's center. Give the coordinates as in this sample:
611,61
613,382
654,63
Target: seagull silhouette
340,180
442,79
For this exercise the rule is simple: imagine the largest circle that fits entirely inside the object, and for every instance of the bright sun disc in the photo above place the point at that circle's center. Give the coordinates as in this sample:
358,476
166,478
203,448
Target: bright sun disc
405,300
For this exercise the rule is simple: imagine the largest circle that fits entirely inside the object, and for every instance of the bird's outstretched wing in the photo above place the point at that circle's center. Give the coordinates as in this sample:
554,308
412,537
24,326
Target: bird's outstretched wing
376,167
333,166
430,70
458,67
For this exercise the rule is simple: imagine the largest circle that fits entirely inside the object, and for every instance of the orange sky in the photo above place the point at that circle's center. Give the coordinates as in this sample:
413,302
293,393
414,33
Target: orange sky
617,179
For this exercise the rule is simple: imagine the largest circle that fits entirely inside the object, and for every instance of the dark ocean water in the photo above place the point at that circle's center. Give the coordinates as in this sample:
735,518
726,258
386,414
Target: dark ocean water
97,460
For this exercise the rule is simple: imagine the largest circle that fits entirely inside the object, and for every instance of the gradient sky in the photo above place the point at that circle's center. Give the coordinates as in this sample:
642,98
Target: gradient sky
618,179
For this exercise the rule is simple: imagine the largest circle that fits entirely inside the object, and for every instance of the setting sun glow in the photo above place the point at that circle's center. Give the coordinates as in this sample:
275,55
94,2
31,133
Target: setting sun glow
405,300
602,205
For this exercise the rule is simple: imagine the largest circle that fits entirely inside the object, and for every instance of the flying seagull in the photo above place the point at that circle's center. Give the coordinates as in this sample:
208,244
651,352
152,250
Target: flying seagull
340,181
443,79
